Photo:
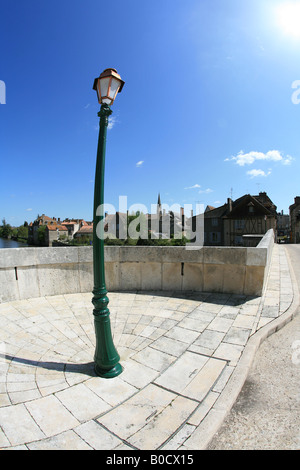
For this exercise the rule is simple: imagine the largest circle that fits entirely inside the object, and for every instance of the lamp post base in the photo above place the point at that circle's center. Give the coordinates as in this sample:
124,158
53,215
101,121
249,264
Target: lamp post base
106,358
108,374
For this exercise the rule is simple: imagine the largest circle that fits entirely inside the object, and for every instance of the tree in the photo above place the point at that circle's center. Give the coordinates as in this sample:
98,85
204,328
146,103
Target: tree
23,232
42,234
5,230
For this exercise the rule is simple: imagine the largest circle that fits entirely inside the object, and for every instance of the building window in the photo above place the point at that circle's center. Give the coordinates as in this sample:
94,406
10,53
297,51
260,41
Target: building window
239,224
214,222
215,237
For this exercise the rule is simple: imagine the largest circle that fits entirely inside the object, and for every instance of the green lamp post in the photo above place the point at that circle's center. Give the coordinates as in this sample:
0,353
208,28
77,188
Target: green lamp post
106,358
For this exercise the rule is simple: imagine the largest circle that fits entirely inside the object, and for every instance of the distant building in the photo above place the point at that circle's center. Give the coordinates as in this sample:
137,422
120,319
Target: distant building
85,231
54,230
248,220
242,222
214,225
115,225
73,226
295,220
283,227
164,224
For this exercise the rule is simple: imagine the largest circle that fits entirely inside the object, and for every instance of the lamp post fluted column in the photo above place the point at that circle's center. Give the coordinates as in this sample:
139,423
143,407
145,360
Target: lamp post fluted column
106,358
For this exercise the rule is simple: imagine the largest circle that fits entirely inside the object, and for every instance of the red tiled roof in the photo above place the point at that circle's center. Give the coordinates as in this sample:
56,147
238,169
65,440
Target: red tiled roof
72,221
53,228
86,229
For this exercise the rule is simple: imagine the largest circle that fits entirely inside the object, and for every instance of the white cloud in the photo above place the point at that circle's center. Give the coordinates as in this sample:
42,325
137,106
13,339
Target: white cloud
205,191
28,210
201,191
243,159
111,122
288,160
193,187
139,164
254,173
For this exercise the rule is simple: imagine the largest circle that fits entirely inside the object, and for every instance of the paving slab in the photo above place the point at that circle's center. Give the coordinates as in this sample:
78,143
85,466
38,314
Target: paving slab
185,358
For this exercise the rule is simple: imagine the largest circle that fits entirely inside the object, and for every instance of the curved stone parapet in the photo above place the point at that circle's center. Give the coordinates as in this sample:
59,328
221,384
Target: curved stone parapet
185,359
36,272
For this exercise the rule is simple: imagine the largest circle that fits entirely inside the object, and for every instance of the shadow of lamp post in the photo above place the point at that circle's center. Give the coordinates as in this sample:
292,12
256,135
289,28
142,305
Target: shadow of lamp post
106,358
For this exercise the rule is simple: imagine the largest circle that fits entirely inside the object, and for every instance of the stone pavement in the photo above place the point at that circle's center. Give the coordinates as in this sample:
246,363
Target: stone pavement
185,360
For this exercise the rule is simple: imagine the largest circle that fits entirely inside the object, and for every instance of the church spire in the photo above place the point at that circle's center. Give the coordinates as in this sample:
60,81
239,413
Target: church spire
158,208
158,201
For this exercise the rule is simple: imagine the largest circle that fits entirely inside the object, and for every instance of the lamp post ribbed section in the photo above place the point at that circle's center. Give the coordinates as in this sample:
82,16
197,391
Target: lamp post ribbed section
106,357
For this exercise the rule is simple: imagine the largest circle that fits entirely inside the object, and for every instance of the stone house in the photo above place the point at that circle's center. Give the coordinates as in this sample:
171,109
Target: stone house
283,227
166,224
54,228
247,220
53,232
115,225
73,226
86,231
214,225
242,222
295,220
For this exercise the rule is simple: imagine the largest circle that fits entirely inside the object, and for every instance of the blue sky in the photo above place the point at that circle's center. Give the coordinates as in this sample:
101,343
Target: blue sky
208,108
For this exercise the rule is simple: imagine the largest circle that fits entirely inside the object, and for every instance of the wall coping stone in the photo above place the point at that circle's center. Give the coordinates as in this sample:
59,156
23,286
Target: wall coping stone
45,269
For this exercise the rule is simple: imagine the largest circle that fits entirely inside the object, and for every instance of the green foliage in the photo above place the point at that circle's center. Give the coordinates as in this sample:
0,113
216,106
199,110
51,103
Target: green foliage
113,241
5,230
16,233
85,240
42,234
22,232
130,242
146,242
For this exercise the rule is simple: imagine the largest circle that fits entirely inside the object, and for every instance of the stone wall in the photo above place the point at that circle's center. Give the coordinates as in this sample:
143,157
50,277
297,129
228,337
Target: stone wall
35,272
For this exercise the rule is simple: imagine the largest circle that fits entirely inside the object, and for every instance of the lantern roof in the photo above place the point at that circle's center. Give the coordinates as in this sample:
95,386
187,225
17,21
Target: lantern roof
108,73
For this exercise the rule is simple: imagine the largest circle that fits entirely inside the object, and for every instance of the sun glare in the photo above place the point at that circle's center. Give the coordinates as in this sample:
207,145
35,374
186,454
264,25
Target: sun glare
288,14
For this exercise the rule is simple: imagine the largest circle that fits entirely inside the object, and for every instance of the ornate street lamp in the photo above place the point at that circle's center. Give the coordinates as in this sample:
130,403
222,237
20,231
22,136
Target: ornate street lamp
106,356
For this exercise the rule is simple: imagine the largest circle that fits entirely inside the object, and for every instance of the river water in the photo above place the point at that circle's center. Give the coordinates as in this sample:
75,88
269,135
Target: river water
6,243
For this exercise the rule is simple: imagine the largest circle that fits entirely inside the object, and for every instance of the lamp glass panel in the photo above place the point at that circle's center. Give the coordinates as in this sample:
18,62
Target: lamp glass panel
115,85
104,86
